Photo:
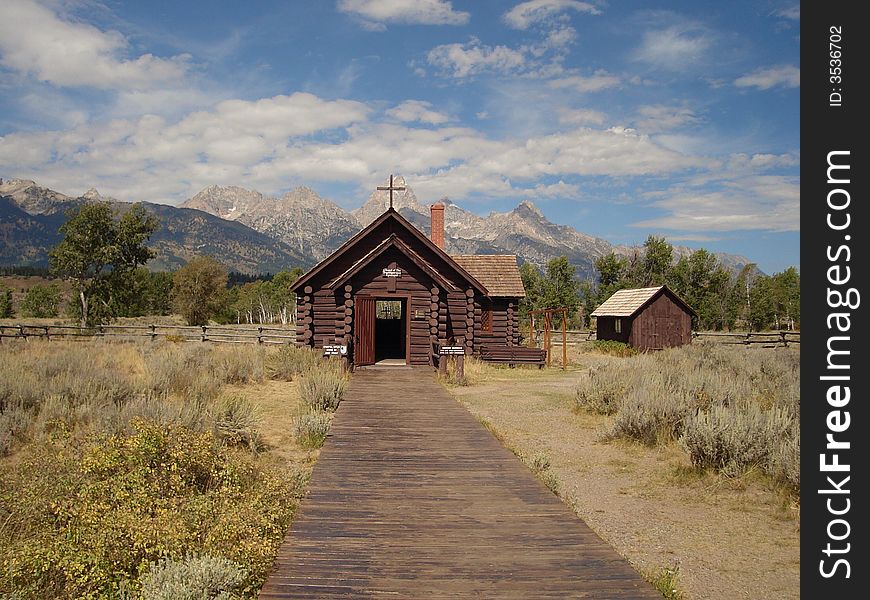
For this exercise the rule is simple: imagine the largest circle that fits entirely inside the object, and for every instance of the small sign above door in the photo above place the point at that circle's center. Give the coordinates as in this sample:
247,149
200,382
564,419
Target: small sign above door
392,272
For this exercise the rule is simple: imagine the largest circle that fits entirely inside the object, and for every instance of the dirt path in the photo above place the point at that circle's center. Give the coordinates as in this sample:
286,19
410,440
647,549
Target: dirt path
730,539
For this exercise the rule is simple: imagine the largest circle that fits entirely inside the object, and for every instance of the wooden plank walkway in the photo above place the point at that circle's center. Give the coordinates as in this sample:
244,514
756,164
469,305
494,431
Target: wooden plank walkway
412,498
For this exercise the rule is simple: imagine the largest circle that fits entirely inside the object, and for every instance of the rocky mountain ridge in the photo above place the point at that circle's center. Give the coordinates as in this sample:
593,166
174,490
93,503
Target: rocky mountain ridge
31,214
252,232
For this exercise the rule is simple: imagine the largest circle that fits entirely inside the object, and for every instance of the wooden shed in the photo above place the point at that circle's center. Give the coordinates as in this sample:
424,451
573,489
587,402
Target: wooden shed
391,294
645,318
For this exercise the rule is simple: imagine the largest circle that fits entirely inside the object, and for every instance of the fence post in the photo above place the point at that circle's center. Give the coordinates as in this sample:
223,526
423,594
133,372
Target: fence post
21,332
260,334
748,337
204,330
45,327
784,341
153,332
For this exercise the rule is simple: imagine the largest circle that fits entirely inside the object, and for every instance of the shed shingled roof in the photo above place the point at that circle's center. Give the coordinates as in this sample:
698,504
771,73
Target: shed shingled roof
497,272
625,303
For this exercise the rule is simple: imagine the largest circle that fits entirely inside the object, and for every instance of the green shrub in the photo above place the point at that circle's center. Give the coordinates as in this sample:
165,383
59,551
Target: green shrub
290,361
613,347
6,309
311,428
83,518
41,301
193,578
666,581
322,387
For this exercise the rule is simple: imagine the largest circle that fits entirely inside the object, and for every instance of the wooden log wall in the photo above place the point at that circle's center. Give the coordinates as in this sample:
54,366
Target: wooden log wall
344,315
457,312
470,321
304,318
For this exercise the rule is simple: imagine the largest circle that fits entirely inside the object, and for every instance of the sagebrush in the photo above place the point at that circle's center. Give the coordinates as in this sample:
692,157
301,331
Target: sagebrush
731,408
322,387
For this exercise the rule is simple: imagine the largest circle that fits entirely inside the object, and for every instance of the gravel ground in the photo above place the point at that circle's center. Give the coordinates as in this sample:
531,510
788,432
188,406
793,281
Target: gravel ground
730,538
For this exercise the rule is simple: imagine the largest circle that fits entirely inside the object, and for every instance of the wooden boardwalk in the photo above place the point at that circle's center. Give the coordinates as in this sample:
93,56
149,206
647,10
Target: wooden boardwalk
412,498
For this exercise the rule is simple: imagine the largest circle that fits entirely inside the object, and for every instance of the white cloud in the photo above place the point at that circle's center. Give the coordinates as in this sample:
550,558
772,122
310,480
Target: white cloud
417,110
784,75
656,118
581,116
676,47
36,41
266,143
525,14
761,202
792,12
600,80
375,13
560,37
473,58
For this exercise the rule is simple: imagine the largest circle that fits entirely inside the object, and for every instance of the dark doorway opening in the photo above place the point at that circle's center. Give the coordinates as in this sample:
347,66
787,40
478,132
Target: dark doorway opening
391,329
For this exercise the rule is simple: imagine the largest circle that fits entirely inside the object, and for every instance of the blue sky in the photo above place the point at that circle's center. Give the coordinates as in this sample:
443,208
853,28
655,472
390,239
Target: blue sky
621,119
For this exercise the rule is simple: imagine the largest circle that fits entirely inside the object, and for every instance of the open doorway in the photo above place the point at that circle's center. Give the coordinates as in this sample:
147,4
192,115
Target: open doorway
391,330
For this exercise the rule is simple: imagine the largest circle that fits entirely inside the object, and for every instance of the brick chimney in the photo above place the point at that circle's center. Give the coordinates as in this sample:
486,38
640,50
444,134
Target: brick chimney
437,224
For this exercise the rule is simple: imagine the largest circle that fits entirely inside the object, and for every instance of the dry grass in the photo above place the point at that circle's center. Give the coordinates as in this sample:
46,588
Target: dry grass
649,502
478,372
65,405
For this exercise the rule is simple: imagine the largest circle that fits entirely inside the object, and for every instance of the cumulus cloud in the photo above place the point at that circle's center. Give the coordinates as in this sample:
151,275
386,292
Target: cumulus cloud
265,143
417,110
525,14
674,47
600,80
473,58
38,42
761,202
376,13
787,76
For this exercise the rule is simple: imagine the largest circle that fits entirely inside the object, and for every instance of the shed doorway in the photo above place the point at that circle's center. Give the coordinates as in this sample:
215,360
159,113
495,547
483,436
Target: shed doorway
391,331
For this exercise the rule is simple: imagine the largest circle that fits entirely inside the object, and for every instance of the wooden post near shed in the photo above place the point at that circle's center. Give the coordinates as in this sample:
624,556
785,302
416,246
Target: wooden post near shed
546,342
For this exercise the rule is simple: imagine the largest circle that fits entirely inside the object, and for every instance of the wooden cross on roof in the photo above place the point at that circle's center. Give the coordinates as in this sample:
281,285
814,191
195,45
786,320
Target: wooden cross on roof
391,187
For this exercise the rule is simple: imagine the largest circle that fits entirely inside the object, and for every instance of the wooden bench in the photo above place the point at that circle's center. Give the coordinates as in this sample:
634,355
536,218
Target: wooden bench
513,355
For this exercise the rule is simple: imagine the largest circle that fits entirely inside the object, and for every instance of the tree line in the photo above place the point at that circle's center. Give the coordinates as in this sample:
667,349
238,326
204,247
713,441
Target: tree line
102,257
103,253
722,299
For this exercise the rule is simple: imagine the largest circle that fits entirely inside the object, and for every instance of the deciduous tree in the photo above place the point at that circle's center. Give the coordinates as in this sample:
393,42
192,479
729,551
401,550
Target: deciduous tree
99,252
199,290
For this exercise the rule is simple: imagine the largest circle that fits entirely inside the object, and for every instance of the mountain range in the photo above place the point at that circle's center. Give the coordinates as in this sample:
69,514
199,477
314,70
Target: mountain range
253,233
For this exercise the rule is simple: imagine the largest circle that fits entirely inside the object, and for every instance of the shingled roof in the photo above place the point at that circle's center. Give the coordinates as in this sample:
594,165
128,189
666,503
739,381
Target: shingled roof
497,272
624,303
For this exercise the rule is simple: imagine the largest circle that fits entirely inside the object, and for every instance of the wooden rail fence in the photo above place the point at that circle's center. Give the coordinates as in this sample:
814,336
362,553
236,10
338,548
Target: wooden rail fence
205,333
284,335
747,338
